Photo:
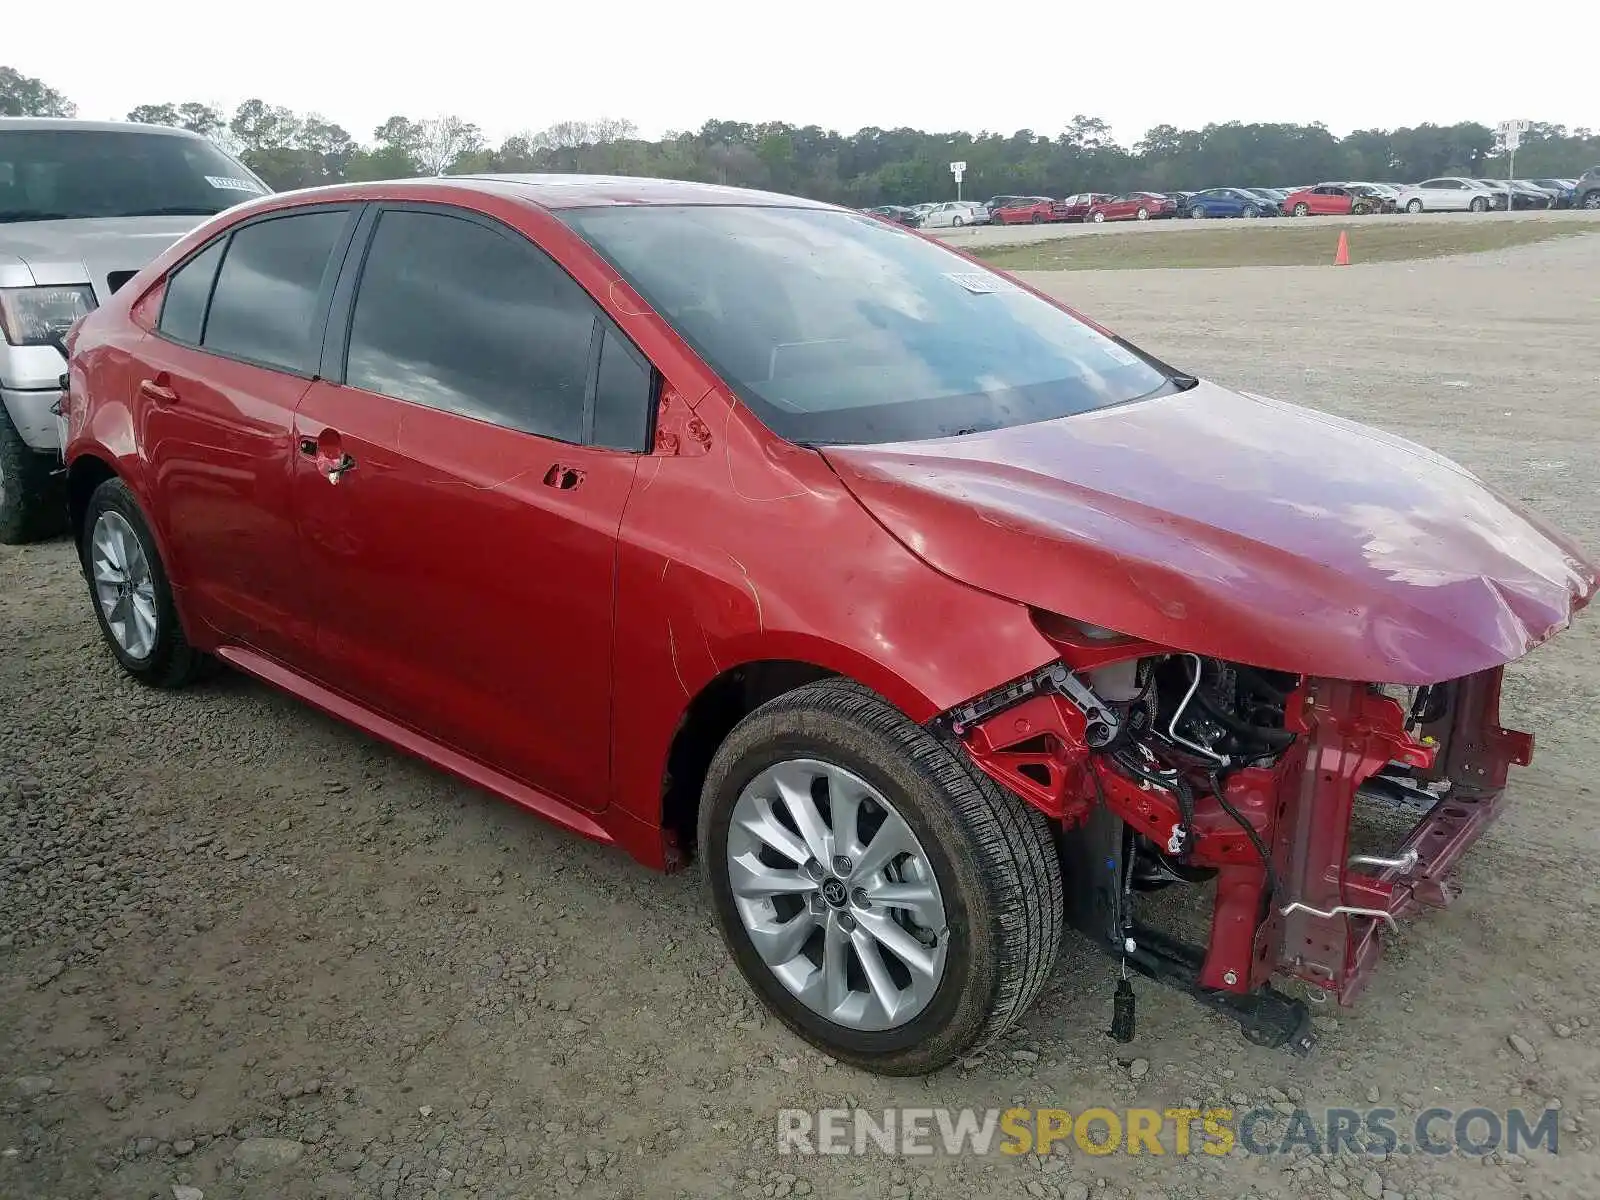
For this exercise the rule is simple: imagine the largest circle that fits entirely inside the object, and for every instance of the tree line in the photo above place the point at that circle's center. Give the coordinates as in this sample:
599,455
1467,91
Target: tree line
871,166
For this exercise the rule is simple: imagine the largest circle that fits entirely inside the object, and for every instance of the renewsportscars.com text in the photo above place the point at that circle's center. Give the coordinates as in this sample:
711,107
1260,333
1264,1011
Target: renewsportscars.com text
1171,1131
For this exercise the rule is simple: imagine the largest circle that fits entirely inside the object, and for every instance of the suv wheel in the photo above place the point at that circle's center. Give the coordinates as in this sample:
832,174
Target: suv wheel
32,500
132,598
890,903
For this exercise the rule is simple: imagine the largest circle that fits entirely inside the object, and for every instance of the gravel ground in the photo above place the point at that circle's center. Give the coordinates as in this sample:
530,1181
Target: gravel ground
247,951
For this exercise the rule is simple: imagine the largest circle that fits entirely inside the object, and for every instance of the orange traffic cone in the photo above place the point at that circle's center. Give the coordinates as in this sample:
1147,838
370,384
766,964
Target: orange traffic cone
1341,256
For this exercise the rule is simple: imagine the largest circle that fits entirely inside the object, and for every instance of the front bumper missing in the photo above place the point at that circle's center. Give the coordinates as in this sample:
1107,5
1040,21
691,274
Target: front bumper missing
1319,912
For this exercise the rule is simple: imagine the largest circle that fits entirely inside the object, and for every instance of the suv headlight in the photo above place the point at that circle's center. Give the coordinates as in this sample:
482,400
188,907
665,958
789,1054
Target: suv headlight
29,314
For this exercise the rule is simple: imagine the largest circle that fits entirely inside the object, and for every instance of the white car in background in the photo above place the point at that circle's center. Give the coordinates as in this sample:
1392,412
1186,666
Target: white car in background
1451,193
955,212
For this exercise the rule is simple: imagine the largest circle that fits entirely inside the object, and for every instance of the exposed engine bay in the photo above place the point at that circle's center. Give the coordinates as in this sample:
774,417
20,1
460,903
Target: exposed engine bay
1172,769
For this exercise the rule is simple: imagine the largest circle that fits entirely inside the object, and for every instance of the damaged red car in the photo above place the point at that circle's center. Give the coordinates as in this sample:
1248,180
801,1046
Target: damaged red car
931,617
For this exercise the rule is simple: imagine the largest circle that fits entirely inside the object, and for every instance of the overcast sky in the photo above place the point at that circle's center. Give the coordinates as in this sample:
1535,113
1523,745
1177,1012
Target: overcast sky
842,64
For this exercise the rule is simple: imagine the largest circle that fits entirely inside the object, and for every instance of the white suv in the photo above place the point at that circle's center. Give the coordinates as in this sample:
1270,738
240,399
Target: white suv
83,205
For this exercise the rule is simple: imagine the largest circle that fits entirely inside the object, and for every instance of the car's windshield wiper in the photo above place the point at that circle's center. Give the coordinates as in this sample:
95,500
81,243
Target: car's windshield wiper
175,210
35,214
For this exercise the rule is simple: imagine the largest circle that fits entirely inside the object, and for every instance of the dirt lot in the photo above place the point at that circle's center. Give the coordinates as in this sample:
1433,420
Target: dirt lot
225,919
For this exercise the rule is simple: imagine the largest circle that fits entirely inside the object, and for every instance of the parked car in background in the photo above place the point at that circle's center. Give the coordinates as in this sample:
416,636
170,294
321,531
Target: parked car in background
1134,206
1266,194
548,480
1076,207
954,213
1518,196
1451,193
994,203
1230,202
896,213
1586,189
1024,210
1559,191
83,205
1387,195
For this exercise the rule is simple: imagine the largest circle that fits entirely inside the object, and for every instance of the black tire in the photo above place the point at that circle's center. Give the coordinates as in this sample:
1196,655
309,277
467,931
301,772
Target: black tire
1036,219
1414,206
993,856
1302,209
1590,200
172,662
1250,210
1479,204
33,501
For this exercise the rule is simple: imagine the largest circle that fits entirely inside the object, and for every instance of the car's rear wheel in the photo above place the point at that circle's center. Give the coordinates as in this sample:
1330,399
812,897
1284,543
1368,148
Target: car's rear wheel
32,504
956,221
1250,210
1479,204
1143,214
1098,218
1036,219
131,594
890,903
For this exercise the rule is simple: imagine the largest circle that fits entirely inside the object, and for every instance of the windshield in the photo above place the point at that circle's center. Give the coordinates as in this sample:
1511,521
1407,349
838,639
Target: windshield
836,328
58,174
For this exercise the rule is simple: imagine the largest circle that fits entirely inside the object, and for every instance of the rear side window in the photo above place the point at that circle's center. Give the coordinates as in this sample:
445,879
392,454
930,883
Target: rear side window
264,307
183,308
457,316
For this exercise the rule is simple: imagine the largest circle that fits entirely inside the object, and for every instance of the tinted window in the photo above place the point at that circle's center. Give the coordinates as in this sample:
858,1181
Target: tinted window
183,308
264,307
622,396
838,328
60,173
461,317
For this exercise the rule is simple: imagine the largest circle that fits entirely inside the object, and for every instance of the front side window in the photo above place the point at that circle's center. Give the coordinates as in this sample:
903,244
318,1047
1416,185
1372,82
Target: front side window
457,316
264,308
837,328
64,174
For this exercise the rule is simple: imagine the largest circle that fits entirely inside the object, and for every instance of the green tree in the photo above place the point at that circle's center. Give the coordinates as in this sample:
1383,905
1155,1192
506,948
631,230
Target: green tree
24,96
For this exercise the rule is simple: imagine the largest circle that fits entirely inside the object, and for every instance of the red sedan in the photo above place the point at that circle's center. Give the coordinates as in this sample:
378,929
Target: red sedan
1134,206
928,614
1330,199
1027,210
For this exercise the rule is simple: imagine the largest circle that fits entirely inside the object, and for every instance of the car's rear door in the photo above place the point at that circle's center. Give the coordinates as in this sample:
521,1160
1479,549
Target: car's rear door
465,465
236,345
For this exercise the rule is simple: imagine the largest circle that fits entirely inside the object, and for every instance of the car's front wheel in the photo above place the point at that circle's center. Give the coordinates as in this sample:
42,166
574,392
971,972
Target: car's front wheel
1414,206
131,594
890,903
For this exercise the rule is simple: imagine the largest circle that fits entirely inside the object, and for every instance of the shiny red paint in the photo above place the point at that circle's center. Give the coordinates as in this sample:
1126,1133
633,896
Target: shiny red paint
1133,206
1236,527
1076,208
542,619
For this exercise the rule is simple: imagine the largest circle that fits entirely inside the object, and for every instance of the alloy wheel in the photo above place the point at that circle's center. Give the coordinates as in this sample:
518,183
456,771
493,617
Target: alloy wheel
123,585
836,894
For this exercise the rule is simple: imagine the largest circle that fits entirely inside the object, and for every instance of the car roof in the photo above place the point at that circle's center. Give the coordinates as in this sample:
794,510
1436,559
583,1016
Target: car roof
595,191
64,123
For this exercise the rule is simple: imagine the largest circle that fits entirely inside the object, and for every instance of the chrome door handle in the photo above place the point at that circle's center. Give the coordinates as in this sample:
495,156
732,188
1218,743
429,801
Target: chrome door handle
337,471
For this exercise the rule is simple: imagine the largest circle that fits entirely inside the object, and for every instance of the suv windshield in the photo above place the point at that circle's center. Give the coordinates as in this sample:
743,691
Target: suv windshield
59,174
836,328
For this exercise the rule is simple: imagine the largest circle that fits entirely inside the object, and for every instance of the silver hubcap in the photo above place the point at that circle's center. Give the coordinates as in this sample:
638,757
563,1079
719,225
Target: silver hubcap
122,584
837,895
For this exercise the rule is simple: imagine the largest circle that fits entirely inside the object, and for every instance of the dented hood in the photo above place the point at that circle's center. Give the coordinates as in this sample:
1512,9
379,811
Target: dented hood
1239,527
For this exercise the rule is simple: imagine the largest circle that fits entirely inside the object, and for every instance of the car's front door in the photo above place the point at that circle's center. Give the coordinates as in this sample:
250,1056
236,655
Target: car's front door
460,489
236,346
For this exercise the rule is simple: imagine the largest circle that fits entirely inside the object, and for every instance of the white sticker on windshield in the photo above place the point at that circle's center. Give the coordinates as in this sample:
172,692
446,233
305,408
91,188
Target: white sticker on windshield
228,183
1117,354
980,284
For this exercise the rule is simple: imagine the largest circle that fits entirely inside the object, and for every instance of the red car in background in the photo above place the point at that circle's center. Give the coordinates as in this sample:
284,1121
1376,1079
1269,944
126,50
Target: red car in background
1134,206
1025,210
1076,208
1330,200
